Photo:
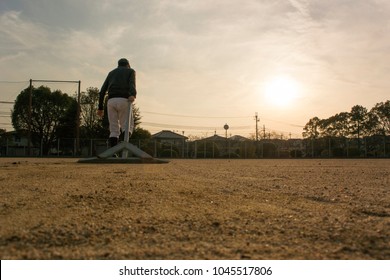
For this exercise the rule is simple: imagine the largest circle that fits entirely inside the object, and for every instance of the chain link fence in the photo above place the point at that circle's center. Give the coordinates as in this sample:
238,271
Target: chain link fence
369,147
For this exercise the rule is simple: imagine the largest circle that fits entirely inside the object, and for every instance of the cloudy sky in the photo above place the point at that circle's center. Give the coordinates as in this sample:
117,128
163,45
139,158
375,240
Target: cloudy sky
201,64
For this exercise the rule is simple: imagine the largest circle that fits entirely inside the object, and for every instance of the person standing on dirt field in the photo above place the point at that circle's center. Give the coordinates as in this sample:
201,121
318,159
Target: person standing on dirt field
120,85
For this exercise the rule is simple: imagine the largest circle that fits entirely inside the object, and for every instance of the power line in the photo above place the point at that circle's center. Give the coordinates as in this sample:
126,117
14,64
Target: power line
13,82
162,125
290,124
197,117
219,117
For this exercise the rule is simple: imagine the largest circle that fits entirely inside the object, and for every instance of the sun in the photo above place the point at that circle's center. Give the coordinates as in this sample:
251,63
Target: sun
281,91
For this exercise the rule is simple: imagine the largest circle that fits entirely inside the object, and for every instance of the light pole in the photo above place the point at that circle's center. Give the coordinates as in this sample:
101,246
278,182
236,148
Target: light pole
226,127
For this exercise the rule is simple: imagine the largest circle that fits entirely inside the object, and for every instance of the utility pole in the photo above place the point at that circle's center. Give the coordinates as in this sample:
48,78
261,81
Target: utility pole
226,127
257,130
257,134
264,132
262,142
77,152
29,118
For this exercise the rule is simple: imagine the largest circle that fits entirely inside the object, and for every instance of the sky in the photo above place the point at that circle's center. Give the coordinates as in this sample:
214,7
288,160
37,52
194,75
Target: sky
203,64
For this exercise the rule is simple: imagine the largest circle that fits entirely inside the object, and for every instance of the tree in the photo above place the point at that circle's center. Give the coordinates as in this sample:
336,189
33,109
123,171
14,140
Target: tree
327,127
341,124
52,113
139,133
358,121
373,126
311,129
381,115
136,116
380,125
91,125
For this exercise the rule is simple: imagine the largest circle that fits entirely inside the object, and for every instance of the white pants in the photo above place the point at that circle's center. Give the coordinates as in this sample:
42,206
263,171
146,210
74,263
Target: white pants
117,110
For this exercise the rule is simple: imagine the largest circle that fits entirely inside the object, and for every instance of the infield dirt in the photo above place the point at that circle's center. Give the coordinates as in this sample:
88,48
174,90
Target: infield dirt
195,209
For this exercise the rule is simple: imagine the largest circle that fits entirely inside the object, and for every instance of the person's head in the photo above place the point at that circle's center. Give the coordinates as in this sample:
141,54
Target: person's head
123,62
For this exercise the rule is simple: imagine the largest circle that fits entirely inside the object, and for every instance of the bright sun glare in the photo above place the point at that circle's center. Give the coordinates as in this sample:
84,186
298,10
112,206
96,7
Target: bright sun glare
281,91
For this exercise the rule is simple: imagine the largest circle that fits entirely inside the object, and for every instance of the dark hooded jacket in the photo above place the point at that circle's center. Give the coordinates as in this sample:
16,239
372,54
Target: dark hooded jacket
120,82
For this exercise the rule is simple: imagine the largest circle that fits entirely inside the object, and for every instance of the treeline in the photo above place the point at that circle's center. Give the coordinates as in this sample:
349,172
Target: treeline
360,132
50,115
357,123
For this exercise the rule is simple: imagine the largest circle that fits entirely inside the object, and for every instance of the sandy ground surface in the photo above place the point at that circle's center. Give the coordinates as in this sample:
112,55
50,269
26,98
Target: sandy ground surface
195,209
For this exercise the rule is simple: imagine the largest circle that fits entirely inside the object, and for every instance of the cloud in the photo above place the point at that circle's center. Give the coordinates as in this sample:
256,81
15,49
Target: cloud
19,34
5,58
217,54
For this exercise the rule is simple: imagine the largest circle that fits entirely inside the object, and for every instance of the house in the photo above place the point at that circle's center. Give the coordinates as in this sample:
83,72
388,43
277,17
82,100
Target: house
210,147
170,137
214,138
16,139
239,138
15,143
169,144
